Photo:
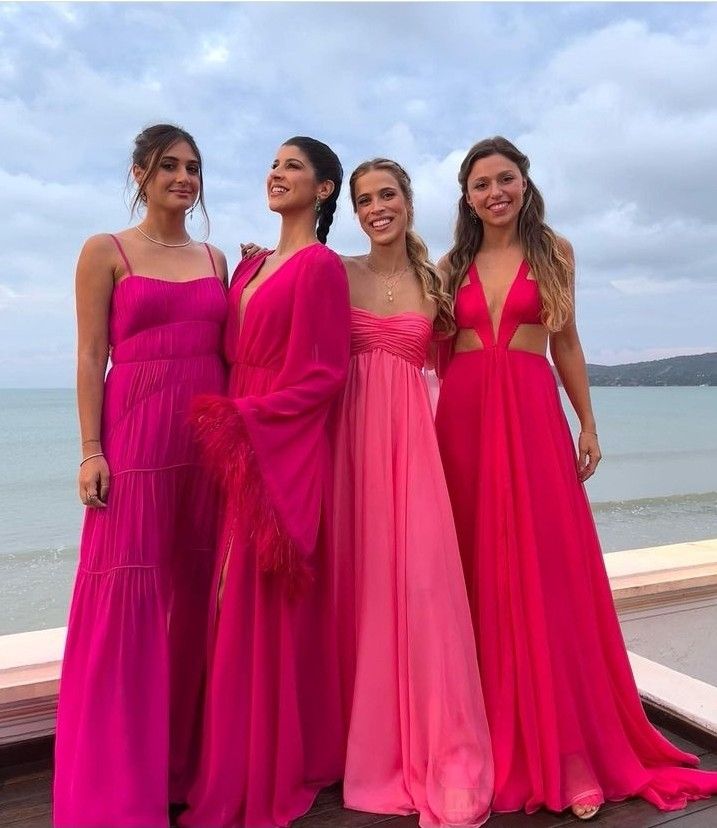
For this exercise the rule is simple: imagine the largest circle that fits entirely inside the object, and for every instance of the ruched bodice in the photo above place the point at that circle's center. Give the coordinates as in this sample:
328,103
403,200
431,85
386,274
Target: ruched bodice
405,335
158,319
521,307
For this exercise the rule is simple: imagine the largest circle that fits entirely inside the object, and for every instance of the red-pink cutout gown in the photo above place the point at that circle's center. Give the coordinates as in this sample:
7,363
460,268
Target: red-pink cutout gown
564,713
134,661
417,737
273,731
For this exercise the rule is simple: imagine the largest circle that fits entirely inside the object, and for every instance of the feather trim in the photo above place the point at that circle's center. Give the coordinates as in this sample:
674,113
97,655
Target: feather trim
227,449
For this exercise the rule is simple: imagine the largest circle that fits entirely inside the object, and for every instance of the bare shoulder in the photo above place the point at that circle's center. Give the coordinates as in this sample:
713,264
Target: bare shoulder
443,267
354,264
220,262
99,255
565,248
99,244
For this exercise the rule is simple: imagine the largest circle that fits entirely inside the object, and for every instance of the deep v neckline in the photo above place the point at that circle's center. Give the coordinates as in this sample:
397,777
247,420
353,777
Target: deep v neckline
522,271
255,273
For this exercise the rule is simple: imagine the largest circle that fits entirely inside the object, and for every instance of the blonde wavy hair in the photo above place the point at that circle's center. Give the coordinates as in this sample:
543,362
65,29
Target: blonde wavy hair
548,255
416,249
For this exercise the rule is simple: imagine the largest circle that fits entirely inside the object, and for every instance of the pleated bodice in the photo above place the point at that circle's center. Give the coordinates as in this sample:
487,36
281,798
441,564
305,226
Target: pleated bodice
405,335
159,319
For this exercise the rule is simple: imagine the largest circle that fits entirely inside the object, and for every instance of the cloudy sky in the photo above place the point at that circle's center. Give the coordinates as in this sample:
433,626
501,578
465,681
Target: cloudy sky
615,104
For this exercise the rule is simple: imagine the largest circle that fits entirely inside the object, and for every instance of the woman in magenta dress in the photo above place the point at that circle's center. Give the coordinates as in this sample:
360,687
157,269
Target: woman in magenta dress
155,301
417,733
567,726
273,732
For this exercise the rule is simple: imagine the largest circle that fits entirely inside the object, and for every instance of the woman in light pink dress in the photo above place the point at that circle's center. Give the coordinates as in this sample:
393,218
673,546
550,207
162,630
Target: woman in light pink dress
417,733
136,643
273,732
566,722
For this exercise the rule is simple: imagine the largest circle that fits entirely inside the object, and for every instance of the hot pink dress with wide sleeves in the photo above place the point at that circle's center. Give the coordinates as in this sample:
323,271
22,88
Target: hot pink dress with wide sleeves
418,739
273,731
564,712
129,704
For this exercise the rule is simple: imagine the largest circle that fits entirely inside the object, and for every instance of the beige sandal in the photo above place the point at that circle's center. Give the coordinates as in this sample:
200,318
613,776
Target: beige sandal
589,810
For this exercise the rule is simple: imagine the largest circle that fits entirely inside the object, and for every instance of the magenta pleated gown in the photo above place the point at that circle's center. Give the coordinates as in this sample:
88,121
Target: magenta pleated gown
565,716
273,731
130,701
418,739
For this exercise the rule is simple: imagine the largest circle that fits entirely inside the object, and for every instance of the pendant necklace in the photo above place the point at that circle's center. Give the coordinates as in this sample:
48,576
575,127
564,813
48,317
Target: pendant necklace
390,280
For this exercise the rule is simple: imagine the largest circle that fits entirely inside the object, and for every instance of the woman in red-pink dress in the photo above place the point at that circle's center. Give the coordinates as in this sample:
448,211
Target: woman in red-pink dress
567,726
273,731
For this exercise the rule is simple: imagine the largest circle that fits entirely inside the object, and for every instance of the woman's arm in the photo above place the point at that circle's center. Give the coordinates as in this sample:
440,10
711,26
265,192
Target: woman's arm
569,360
94,282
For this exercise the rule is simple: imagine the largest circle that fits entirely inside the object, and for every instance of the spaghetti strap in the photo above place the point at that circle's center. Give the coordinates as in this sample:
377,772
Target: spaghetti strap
523,270
211,258
122,253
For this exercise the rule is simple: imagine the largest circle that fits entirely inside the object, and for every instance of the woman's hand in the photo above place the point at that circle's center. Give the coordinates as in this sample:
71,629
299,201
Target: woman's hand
589,455
94,482
250,249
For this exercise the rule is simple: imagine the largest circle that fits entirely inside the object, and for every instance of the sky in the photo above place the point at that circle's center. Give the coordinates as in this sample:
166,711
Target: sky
615,104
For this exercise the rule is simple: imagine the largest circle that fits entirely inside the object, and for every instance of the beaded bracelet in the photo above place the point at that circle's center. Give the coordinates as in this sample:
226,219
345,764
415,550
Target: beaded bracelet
90,456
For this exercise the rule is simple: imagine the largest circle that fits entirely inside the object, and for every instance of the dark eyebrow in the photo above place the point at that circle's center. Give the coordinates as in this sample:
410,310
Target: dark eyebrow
174,158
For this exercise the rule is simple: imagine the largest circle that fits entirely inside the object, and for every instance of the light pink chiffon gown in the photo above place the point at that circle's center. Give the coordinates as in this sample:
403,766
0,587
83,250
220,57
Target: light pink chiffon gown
129,703
418,737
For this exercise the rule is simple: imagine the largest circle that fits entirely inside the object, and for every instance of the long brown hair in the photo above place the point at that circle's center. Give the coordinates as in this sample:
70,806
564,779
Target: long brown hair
547,255
149,147
416,249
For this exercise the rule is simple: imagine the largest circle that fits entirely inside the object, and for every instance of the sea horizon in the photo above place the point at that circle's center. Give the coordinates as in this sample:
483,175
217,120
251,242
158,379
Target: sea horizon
657,484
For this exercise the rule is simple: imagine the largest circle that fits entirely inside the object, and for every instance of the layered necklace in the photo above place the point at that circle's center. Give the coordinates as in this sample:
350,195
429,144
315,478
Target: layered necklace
390,280
164,244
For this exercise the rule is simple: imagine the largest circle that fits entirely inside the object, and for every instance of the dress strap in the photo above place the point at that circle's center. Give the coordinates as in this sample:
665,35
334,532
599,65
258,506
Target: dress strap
122,253
211,258
473,274
524,269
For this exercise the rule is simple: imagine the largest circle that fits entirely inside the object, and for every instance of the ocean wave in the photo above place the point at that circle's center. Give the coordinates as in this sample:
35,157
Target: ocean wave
678,501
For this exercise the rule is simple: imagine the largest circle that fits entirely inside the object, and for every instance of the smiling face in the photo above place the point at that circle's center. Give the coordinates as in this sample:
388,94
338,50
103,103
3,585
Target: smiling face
291,183
381,206
494,189
176,181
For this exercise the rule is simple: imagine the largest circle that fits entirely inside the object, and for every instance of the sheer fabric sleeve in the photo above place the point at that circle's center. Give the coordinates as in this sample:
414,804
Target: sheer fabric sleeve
272,451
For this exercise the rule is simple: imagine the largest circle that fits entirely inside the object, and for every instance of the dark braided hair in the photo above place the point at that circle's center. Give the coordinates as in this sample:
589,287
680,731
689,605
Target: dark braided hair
327,167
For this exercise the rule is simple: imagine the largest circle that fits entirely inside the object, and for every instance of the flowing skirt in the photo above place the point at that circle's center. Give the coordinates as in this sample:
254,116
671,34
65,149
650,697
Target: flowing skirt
129,706
564,713
272,732
418,738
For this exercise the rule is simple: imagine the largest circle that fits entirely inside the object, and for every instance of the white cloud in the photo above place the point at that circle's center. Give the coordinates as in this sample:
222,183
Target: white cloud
615,105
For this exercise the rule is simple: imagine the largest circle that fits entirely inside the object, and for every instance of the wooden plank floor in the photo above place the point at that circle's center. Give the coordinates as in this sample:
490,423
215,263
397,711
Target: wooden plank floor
25,803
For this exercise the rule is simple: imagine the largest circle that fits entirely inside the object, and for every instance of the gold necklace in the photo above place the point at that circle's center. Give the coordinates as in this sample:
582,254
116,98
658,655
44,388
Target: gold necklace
164,244
390,280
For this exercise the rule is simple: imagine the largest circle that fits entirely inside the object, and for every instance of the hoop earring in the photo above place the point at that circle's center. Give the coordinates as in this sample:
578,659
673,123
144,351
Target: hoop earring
319,204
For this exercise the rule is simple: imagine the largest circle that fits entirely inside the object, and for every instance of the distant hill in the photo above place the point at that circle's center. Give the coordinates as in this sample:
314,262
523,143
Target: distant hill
700,369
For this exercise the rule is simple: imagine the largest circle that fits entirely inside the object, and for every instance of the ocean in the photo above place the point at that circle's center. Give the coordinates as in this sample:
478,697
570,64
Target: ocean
657,484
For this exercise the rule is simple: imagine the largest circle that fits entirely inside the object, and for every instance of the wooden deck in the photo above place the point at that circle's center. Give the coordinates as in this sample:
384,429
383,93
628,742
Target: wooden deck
25,803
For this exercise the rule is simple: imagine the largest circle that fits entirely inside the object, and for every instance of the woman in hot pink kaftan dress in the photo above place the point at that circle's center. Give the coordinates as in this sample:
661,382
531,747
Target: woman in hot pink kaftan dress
566,721
273,734
417,737
129,705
